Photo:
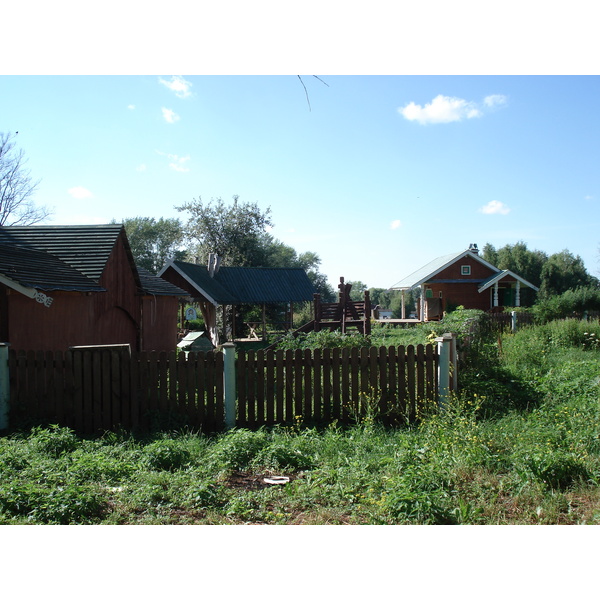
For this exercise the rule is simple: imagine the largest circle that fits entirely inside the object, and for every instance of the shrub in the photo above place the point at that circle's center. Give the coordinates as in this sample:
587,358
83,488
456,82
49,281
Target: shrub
165,455
568,304
54,440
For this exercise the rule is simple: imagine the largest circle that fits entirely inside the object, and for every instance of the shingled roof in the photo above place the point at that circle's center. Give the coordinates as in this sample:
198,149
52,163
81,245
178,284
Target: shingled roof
69,257
246,285
85,248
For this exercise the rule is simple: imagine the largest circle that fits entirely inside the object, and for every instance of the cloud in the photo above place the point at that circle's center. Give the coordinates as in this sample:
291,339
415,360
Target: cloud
141,168
169,115
495,207
495,100
80,193
131,106
442,109
179,85
447,109
395,224
176,162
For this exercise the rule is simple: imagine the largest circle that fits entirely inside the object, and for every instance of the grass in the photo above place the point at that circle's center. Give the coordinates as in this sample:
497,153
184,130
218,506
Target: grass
520,444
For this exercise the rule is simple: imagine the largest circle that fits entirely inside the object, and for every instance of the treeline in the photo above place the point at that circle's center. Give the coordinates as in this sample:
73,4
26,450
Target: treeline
238,232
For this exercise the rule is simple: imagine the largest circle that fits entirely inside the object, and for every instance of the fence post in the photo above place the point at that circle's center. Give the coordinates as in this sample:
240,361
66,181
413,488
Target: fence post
4,386
513,321
229,384
447,356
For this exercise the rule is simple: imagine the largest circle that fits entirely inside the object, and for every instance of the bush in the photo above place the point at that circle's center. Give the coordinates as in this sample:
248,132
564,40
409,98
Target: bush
568,304
54,440
165,455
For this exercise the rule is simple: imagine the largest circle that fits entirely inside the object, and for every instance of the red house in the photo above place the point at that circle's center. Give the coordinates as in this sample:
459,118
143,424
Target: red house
63,286
462,278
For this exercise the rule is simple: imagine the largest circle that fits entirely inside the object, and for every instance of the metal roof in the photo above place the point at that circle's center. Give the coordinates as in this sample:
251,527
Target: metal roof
82,247
247,285
435,266
499,276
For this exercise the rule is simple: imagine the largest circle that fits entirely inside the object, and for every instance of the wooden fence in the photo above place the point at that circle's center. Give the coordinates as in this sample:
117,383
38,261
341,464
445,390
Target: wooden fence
97,390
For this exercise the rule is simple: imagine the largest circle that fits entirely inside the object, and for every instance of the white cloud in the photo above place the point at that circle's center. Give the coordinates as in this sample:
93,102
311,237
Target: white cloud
131,106
495,100
141,168
169,115
442,109
495,207
177,163
395,224
80,193
179,85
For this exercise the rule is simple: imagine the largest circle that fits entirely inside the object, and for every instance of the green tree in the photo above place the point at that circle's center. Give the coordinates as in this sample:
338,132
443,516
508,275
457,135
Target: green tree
235,232
154,242
563,271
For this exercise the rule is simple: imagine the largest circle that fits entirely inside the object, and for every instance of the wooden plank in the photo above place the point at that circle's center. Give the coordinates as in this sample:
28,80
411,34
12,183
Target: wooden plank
392,383
241,386
260,387
251,389
345,383
326,360
383,382
68,401
203,413
298,367
337,410
420,356
144,396
88,389
289,386
355,397
40,385
96,381
134,390
411,382
106,415
402,382
216,382
152,383
270,386
280,416
317,384
163,377
307,373
430,373
125,391
191,385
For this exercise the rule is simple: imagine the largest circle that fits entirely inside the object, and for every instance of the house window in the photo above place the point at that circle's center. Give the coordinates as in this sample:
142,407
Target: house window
440,293
428,293
465,269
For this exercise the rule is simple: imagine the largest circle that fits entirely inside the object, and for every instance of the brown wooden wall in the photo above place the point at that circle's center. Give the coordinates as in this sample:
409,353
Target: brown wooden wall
98,318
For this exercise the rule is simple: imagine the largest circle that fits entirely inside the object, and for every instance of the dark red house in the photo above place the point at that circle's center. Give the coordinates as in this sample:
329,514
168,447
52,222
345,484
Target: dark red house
463,278
63,286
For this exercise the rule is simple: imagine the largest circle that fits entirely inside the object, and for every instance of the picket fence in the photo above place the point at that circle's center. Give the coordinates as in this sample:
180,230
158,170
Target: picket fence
95,390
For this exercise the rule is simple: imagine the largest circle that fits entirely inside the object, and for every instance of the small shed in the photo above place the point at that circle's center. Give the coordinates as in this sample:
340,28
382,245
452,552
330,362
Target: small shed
215,288
462,278
78,285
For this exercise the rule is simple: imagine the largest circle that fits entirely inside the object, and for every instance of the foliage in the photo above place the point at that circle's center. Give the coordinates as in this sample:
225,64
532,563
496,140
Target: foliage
234,232
563,271
323,339
154,242
16,187
568,304
529,464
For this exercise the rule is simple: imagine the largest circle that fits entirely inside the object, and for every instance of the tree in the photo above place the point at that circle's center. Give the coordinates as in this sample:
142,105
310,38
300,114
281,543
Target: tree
234,232
154,242
16,187
563,271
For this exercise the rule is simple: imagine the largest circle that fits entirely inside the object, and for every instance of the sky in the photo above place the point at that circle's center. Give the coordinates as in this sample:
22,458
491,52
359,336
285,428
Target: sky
376,174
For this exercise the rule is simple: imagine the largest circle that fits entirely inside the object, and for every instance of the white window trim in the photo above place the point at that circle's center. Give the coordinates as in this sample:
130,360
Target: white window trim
465,269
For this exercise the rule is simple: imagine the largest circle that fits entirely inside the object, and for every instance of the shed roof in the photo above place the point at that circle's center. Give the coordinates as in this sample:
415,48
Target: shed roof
501,275
246,285
152,284
42,271
85,248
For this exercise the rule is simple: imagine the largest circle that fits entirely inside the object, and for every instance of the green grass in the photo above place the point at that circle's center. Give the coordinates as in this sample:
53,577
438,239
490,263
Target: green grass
520,444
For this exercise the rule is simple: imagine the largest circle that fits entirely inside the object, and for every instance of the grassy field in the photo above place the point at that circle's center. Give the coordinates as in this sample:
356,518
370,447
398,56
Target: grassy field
520,444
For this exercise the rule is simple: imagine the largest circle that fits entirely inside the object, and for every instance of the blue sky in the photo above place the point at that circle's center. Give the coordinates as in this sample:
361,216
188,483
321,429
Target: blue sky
378,176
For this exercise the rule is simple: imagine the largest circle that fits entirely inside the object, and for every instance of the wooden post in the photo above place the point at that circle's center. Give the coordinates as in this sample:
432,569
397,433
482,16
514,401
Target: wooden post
518,294
4,386
513,321
264,322
403,305
496,294
229,390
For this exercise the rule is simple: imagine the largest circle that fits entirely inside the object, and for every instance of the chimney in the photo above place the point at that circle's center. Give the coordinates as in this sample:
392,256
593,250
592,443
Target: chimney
214,261
473,248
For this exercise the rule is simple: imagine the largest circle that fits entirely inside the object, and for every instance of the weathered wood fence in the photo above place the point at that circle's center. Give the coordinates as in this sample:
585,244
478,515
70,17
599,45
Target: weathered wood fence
96,390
